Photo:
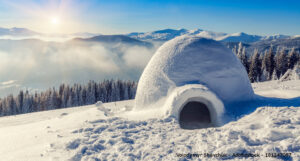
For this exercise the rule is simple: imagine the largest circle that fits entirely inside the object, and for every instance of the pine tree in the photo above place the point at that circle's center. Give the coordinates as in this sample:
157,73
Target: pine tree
244,59
91,92
255,70
269,63
20,101
292,58
234,50
281,63
274,75
11,104
240,50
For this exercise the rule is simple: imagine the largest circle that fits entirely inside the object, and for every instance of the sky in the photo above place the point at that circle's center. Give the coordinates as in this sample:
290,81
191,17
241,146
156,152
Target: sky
261,17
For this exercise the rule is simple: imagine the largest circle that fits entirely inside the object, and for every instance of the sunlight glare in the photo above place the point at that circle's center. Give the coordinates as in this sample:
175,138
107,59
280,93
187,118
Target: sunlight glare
55,20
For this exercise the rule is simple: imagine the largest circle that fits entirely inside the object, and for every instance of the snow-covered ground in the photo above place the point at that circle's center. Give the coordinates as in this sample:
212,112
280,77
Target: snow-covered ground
96,133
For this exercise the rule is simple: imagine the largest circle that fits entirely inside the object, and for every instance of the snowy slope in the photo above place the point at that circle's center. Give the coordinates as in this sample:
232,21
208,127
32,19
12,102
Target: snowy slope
160,35
211,35
240,37
277,36
109,132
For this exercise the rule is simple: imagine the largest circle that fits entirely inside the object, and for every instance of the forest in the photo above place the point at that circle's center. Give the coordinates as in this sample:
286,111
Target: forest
67,96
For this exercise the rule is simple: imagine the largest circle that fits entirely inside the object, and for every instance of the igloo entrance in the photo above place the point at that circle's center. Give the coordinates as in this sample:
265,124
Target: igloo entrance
195,115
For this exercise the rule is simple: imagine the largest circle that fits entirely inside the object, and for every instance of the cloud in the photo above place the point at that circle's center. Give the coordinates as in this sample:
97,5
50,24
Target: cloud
8,82
40,65
85,57
137,57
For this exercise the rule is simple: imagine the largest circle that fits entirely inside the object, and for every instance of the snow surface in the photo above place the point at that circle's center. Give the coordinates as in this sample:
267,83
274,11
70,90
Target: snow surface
240,37
212,35
111,131
192,60
160,35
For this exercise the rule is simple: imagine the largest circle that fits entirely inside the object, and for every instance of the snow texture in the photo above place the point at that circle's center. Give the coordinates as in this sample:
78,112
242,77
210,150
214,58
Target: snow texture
267,130
291,74
86,133
192,60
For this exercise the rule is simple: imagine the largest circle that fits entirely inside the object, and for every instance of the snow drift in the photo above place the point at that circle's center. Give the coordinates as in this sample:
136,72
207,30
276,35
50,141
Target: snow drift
195,75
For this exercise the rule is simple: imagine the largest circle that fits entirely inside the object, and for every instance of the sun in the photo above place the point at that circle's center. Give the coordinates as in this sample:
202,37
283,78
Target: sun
55,21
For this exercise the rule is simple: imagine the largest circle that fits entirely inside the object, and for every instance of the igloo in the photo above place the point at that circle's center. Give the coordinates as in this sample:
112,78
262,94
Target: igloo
192,79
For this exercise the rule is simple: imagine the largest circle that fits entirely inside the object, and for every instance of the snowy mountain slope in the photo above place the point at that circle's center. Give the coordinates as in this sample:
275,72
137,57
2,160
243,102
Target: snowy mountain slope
247,38
240,37
98,132
115,39
277,36
160,35
211,35
286,44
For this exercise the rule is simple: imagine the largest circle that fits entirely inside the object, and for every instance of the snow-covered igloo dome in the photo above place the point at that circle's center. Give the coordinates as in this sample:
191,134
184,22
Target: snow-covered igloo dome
193,75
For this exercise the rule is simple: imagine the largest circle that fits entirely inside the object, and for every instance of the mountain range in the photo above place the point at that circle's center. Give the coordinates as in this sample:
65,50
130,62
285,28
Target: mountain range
167,34
159,35
24,33
115,39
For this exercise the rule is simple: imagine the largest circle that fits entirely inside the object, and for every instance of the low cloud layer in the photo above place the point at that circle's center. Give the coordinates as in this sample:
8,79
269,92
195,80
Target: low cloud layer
36,64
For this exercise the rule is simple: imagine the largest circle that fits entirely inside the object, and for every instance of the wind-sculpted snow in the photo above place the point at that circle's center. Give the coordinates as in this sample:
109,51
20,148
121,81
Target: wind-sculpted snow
266,130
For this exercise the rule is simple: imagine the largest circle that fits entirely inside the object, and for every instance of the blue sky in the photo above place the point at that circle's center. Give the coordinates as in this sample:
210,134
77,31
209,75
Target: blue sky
261,17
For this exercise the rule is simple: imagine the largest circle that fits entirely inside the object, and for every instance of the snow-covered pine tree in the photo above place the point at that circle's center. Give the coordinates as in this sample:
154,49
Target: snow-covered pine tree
240,50
255,69
55,100
269,63
83,96
20,101
27,103
234,50
281,63
264,75
125,92
274,75
91,93
245,60
292,58
11,104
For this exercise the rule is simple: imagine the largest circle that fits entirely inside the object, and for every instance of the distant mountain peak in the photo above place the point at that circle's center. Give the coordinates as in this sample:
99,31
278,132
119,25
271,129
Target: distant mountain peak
114,39
159,35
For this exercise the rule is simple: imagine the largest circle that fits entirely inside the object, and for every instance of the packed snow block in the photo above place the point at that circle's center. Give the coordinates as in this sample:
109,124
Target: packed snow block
193,61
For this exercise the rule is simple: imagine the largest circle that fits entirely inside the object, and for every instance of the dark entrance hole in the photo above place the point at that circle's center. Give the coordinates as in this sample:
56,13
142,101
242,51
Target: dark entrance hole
194,115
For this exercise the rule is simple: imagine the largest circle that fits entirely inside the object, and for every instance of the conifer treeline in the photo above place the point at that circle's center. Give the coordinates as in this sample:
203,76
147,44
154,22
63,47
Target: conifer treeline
67,96
269,65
